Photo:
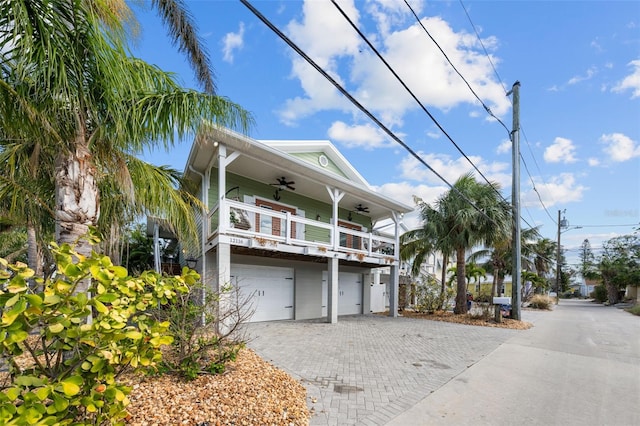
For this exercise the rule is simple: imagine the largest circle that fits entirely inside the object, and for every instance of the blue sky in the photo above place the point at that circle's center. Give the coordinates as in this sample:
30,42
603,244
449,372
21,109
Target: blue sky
578,63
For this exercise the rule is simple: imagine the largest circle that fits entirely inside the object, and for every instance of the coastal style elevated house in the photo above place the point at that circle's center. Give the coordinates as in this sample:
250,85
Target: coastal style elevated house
293,224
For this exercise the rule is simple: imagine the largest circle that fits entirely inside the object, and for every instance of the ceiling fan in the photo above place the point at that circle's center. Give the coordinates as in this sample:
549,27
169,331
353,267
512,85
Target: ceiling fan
283,184
361,209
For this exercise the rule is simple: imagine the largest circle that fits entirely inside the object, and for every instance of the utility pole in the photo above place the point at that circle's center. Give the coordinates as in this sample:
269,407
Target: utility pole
562,223
558,272
516,276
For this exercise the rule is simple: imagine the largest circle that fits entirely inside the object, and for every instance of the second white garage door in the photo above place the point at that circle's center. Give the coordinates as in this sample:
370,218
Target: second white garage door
349,293
271,289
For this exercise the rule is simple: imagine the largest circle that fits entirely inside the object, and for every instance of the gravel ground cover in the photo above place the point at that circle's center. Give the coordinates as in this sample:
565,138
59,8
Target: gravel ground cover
250,392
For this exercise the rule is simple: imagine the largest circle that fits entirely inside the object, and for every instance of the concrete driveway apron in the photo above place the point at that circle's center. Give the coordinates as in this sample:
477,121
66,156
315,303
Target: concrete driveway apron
367,369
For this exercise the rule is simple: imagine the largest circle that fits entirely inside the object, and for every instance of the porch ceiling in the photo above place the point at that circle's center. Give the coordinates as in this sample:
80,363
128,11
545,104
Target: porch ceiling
263,163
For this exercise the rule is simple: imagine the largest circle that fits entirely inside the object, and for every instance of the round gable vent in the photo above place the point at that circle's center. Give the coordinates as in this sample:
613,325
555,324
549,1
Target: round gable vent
323,160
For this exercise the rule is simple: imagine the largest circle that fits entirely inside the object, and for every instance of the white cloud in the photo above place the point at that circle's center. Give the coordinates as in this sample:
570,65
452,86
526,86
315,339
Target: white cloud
451,170
504,147
630,82
561,151
620,147
405,192
587,76
232,42
364,135
406,48
560,189
593,162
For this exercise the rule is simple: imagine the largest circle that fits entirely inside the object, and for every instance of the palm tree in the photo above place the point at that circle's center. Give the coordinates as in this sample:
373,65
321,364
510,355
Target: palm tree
474,214
499,256
70,88
419,243
544,252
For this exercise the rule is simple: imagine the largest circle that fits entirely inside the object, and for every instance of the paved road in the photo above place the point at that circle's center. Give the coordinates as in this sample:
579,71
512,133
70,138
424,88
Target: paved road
579,365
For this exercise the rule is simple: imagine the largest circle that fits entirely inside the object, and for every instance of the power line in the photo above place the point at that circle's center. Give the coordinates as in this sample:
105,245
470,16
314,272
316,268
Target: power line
483,48
486,108
363,109
521,127
606,226
390,68
392,135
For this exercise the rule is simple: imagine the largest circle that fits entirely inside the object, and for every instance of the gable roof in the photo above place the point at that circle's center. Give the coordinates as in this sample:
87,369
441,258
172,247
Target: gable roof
266,161
309,150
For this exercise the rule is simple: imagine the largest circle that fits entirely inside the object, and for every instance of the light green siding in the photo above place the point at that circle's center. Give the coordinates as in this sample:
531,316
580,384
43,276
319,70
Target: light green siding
312,208
312,158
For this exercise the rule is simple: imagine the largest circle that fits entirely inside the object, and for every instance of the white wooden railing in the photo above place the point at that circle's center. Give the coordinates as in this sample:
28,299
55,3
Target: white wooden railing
261,224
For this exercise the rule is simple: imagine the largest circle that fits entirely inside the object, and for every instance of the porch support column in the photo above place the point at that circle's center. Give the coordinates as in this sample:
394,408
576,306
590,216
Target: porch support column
394,278
336,195
156,245
223,221
367,283
332,293
223,277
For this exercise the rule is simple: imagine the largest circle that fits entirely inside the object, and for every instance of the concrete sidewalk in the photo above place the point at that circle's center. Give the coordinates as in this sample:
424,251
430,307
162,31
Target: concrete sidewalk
368,369
580,365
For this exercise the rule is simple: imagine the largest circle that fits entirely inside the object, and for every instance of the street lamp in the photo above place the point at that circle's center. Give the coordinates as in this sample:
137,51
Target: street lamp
562,223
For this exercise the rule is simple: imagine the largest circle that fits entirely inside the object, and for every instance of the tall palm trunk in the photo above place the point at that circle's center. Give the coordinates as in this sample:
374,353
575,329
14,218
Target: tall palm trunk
34,253
461,282
34,257
77,197
494,286
443,274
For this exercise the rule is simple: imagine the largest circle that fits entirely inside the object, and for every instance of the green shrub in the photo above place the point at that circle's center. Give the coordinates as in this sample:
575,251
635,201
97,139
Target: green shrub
198,347
599,294
635,310
65,351
429,298
540,301
483,298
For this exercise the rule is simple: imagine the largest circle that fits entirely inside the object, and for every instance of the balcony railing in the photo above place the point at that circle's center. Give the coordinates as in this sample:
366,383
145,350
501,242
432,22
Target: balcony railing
259,226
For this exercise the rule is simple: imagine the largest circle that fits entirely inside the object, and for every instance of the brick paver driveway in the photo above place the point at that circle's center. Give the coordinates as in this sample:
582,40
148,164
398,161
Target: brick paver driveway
367,369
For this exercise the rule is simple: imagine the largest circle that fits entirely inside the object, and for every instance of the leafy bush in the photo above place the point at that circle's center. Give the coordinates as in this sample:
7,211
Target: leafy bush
429,297
483,298
540,301
198,347
481,310
599,294
65,351
635,310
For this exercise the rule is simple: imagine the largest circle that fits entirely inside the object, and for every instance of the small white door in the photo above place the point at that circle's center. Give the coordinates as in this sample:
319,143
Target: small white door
271,290
378,297
349,293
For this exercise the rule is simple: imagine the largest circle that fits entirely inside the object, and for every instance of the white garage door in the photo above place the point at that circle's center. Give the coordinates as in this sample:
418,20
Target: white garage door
271,290
349,293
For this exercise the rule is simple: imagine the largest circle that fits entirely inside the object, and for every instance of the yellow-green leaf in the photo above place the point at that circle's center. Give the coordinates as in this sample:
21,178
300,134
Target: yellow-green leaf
12,393
120,396
56,328
100,307
59,402
134,335
34,299
42,393
12,301
71,385
120,271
